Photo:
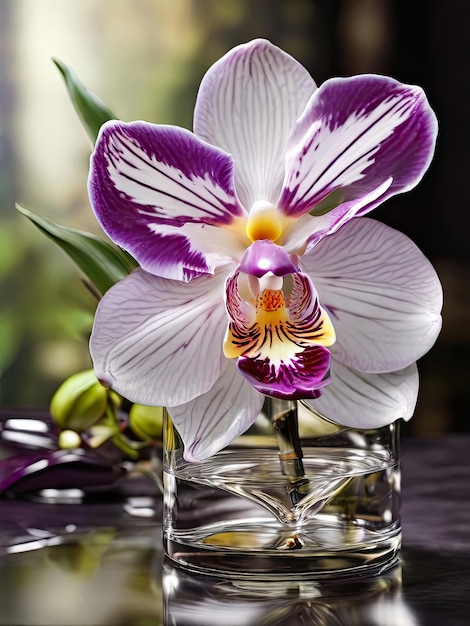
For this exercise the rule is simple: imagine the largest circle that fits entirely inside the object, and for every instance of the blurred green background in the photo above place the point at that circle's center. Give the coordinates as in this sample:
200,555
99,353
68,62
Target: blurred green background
145,58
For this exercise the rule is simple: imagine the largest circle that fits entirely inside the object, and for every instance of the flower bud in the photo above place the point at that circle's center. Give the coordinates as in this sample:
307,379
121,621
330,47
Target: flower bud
69,440
79,402
146,422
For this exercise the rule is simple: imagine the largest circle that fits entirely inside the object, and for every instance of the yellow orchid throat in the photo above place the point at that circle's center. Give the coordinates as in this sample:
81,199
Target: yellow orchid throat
273,335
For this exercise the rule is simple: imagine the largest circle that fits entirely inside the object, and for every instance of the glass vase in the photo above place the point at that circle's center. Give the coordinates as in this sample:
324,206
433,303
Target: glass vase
295,495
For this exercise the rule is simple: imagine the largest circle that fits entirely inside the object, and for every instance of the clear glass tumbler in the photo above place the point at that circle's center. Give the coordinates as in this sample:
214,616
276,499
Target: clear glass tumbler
323,504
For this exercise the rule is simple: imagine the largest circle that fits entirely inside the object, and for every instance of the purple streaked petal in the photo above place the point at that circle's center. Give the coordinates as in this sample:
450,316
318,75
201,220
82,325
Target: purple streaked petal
361,400
265,256
356,134
158,341
240,300
306,231
214,419
333,221
383,296
147,182
303,299
303,375
194,249
309,322
246,105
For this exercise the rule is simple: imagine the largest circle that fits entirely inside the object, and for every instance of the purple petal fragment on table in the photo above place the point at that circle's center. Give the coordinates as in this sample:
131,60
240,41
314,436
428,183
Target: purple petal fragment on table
32,461
58,469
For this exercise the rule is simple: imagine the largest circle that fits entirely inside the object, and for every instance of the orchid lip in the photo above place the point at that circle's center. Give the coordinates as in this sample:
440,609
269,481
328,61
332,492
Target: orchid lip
304,377
279,335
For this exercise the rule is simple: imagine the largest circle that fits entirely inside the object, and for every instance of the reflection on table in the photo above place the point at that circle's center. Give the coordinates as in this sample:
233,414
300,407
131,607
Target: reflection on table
195,599
100,563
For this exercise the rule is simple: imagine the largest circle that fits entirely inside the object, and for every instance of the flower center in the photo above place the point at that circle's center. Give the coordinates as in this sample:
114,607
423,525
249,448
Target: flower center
270,300
263,222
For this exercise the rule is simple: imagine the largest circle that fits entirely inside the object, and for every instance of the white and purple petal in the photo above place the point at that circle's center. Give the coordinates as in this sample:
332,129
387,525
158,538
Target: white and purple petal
304,232
217,246
359,400
213,420
355,135
382,294
147,182
158,341
246,105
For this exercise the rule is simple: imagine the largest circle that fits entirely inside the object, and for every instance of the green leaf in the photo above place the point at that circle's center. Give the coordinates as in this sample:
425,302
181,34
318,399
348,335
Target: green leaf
92,111
101,262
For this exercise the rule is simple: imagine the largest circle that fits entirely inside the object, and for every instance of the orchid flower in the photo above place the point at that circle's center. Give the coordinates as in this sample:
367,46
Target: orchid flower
254,277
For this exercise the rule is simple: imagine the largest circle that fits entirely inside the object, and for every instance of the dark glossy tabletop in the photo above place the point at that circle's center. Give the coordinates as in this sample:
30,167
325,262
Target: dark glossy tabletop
101,564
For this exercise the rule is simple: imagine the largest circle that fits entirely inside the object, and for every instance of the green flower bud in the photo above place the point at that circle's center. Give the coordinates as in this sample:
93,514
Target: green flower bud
146,422
69,440
79,402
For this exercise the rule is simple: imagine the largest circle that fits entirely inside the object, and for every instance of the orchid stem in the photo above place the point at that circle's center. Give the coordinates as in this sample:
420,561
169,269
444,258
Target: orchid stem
283,415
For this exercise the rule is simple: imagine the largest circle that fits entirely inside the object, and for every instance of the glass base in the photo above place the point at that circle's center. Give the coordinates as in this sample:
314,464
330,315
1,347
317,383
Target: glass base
243,513
374,555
